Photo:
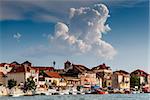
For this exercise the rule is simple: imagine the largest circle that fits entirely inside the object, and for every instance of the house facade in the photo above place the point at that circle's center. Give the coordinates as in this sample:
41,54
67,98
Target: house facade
89,79
5,68
73,73
53,78
148,78
22,73
2,80
141,75
104,72
121,80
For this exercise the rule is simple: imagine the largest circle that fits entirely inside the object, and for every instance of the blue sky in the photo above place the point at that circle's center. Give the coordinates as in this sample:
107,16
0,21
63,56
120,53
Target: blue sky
27,29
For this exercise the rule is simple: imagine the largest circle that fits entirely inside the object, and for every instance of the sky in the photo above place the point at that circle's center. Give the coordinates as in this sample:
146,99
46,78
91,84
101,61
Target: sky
88,32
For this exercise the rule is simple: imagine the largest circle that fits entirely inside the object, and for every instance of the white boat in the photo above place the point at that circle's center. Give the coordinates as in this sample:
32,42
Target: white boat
16,95
52,91
135,92
61,93
66,92
16,92
73,91
81,92
48,93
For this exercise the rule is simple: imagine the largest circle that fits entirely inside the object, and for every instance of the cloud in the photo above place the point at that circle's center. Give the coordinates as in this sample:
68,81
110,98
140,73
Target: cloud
49,11
17,36
83,32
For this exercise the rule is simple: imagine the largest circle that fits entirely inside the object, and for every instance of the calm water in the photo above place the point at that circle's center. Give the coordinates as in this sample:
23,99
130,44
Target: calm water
83,97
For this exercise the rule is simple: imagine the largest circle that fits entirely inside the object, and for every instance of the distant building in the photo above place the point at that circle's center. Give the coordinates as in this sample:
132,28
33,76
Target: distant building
2,80
104,72
27,63
43,68
5,68
72,71
21,73
71,81
15,63
53,78
141,75
121,80
89,79
148,78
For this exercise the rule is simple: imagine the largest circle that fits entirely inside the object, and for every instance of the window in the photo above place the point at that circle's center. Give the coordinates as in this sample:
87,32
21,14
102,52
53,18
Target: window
41,79
32,71
6,67
61,80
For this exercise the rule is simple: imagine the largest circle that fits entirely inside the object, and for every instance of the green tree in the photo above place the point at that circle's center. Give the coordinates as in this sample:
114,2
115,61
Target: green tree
29,84
134,81
11,83
54,83
42,72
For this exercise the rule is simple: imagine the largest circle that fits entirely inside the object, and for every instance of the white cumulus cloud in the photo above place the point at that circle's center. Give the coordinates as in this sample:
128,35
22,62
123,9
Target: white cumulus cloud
84,30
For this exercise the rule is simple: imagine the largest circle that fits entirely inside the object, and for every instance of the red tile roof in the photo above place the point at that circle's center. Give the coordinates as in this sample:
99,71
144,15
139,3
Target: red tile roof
15,63
80,68
139,72
2,64
121,72
21,69
43,68
53,74
102,66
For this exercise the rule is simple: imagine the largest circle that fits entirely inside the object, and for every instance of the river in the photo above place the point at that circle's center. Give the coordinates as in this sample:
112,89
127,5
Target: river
82,97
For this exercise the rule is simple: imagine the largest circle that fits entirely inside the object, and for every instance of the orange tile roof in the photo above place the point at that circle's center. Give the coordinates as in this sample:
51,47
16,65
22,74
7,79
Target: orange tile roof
121,72
53,74
140,73
21,69
102,66
43,68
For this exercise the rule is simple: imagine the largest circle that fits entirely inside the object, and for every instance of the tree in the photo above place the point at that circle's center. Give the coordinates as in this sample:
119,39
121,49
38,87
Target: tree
134,81
54,83
54,63
11,83
42,73
29,84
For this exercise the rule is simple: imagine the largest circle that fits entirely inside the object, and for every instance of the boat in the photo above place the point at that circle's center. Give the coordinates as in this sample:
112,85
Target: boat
16,92
48,93
29,93
61,93
16,95
135,91
66,92
73,91
101,92
53,91
80,92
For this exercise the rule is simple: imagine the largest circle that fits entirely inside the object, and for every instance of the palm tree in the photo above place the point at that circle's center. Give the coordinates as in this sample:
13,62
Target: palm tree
54,63
11,83
29,84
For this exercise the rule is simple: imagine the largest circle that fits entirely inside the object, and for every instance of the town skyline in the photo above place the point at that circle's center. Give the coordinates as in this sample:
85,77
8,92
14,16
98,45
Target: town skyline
53,65
43,32
74,76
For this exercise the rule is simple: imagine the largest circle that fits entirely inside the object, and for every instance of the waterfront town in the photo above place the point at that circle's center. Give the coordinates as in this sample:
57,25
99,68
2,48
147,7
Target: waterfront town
25,79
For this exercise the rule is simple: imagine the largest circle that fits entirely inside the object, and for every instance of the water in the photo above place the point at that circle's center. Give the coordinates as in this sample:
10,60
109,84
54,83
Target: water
83,97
